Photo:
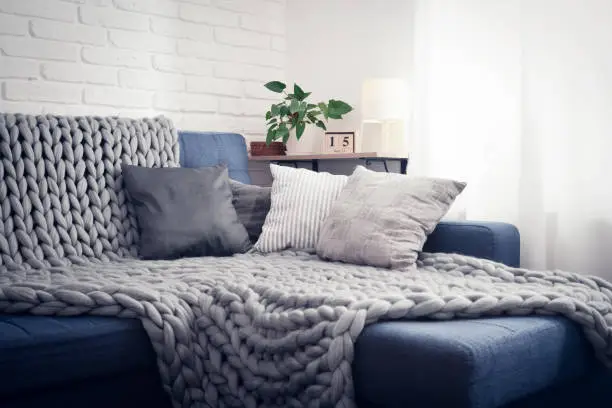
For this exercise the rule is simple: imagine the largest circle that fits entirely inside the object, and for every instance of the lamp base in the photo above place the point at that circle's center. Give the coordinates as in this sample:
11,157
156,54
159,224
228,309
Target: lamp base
385,137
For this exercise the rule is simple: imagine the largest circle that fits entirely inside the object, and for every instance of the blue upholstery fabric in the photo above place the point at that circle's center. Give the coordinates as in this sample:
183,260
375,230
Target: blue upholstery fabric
202,149
39,352
497,241
591,390
126,389
480,363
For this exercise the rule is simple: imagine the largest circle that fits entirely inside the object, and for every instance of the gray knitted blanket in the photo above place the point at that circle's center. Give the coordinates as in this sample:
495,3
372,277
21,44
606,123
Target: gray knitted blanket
279,330
245,331
61,191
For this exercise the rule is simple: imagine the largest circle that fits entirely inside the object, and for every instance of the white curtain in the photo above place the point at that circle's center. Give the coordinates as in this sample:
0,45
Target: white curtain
515,97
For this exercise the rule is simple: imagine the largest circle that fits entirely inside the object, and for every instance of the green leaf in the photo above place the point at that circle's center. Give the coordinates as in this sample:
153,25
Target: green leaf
294,107
293,122
299,93
312,117
284,110
275,110
272,121
334,116
276,86
268,115
271,136
300,130
301,115
311,106
324,109
306,95
282,132
321,125
338,108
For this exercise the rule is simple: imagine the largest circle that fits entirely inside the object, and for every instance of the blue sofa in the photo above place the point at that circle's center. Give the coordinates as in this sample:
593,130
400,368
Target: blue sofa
508,362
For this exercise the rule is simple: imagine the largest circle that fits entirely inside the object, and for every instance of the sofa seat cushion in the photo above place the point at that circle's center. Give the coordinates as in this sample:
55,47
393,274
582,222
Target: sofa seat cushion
479,363
38,352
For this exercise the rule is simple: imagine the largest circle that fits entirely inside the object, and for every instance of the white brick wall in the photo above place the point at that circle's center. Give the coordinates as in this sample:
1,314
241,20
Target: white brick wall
209,15
13,25
200,62
78,33
91,74
41,91
40,9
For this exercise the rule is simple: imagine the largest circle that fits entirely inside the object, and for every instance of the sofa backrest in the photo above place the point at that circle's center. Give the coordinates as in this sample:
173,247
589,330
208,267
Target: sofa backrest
201,149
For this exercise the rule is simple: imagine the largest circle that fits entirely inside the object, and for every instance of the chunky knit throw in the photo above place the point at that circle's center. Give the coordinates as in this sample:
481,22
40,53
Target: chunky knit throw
252,330
279,330
61,189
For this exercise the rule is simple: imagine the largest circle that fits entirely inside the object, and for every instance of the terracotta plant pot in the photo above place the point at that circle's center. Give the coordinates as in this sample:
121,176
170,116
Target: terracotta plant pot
274,149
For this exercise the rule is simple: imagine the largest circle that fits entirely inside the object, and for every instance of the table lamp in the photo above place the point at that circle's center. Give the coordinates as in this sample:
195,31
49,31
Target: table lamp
385,110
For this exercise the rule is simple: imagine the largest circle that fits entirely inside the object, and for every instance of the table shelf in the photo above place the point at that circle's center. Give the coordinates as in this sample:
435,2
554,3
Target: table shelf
314,159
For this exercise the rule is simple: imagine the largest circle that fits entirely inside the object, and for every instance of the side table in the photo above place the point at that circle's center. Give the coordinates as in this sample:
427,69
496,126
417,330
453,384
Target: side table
314,159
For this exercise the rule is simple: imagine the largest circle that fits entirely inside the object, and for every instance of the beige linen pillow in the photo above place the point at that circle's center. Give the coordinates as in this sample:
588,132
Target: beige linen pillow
383,219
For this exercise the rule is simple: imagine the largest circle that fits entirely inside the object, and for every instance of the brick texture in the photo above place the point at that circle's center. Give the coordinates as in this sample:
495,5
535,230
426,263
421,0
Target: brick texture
39,49
161,7
13,25
41,91
117,97
77,33
170,28
262,24
115,57
202,63
142,41
183,65
90,74
184,102
111,18
208,15
18,68
136,79
242,38
48,9
215,86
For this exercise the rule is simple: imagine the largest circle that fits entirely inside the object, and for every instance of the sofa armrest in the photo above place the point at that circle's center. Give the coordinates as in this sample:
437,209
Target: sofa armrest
496,241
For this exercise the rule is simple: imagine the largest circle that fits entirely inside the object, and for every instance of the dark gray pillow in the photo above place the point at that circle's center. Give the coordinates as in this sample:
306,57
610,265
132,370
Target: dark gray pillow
184,212
252,204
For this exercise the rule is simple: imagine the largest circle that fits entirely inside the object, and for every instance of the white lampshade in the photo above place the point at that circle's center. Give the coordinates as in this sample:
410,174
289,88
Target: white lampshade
384,99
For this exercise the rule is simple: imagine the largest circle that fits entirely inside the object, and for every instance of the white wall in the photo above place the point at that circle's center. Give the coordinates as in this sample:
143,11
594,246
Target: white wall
335,44
200,62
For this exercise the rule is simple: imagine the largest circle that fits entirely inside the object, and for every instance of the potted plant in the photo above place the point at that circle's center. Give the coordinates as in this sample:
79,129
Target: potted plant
292,114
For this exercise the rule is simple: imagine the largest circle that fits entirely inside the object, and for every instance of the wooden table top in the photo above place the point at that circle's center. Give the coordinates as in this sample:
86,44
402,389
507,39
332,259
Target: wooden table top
326,156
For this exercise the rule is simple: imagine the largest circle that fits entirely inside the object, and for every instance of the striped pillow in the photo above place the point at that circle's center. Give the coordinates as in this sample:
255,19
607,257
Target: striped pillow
301,200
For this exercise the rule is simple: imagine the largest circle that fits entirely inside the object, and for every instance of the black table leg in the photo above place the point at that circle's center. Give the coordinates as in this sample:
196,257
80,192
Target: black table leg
403,166
386,167
315,165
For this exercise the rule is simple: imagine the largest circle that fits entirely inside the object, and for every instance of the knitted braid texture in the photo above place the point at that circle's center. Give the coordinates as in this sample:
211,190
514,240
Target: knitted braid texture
279,330
61,191
251,330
